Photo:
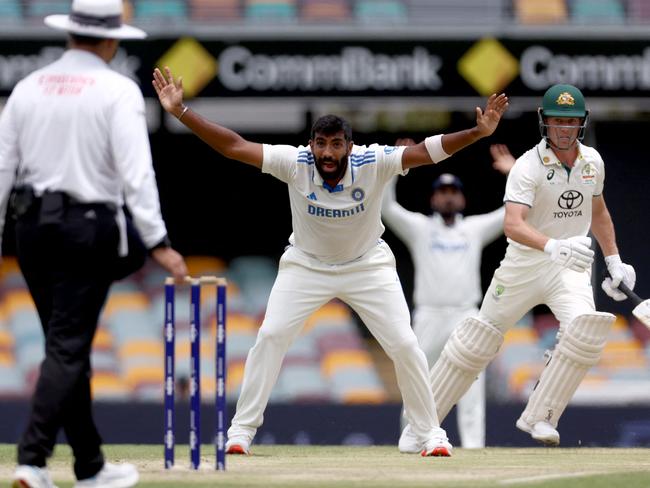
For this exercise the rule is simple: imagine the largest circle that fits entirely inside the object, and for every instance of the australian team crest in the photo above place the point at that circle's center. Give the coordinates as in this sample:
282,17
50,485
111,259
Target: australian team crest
588,175
358,194
565,98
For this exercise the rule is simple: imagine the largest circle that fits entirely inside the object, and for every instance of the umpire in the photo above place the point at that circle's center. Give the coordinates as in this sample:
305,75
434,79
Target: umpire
74,147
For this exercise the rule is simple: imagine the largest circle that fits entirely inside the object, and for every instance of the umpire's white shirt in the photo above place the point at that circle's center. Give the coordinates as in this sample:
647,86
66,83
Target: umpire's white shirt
560,199
446,258
335,225
79,127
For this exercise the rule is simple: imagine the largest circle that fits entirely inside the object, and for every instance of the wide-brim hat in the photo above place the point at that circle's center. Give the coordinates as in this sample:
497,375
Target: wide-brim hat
95,18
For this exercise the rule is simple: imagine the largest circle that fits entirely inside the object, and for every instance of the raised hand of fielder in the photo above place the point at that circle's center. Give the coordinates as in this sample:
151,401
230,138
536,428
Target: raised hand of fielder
169,91
502,160
487,120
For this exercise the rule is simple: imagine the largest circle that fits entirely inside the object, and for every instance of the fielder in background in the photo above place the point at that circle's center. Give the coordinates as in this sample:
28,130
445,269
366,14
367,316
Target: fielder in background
335,190
446,251
73,136
554,195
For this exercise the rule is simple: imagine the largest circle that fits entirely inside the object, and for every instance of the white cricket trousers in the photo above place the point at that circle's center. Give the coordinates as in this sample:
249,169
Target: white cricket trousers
527,278
432,327
370,285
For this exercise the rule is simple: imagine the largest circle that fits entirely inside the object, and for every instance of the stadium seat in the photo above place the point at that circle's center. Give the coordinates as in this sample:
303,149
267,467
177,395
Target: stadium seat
446,12
384,11
270,10
37,9
597,12
325,10
638,11
10,11
147,10
214,10
541,11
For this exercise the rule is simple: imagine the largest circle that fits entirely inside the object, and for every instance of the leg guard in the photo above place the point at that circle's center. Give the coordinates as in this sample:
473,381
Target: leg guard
472,345
578,349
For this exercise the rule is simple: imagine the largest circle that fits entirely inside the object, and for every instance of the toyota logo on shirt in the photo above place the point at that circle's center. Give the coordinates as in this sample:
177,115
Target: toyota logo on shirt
570,200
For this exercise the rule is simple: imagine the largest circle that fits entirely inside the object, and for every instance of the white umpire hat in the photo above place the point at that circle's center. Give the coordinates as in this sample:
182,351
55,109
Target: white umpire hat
95,18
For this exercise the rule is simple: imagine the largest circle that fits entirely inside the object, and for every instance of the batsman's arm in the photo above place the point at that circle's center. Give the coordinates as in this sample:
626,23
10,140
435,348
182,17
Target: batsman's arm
516,228
432,151
602,226
219,138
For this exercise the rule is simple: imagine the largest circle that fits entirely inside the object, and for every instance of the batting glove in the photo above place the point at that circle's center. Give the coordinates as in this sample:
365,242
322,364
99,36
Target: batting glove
619,271
574,253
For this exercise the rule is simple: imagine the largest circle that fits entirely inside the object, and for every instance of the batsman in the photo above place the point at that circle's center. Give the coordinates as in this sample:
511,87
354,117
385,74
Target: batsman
554,197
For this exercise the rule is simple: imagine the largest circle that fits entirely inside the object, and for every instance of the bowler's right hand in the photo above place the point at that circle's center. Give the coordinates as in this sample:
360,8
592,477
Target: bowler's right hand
169,90
574,252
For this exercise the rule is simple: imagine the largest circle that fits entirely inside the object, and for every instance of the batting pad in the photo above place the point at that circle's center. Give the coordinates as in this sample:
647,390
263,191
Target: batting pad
472,345
579,348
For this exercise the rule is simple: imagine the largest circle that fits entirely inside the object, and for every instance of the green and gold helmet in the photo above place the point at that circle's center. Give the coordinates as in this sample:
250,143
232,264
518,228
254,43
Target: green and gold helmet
563,101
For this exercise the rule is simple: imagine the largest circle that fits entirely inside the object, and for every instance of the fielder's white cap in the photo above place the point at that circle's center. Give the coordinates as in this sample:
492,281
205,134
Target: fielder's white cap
95,18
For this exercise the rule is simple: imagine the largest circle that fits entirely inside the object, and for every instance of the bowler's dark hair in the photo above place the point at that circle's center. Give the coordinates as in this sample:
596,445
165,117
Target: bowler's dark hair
331,124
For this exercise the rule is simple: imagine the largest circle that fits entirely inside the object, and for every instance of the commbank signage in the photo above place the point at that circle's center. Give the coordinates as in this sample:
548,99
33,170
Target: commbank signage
437,68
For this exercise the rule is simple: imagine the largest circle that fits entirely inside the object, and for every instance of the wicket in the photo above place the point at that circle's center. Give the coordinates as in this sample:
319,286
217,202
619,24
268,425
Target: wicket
195,370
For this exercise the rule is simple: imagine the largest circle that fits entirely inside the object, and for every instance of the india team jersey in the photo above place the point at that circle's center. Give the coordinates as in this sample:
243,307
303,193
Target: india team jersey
449,254
335,225
560,199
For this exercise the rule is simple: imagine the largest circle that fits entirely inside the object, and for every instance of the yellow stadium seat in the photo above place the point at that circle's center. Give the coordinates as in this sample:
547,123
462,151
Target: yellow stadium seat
541,11
336,360
365,396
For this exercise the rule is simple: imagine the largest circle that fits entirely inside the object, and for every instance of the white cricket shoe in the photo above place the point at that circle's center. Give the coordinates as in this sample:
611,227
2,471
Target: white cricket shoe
112,476
238,445
541,431
27,476
408,442
437,446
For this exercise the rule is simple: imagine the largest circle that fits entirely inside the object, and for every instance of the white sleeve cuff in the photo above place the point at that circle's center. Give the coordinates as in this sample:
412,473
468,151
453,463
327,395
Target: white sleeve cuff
434,148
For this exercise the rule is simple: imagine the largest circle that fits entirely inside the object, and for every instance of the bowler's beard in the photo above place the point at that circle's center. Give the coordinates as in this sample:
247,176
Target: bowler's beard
341,166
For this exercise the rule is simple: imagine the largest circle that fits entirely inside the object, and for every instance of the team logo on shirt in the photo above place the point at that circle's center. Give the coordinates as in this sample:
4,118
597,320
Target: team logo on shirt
358,194
588,175
570,199
389,149
569,202
498,291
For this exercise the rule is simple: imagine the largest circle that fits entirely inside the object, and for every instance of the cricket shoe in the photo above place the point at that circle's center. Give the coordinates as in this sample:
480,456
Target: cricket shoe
408,442
112,476
438,447
238,445
27,476
541,431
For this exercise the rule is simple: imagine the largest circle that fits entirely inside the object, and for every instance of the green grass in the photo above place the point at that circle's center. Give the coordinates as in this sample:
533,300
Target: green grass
381,466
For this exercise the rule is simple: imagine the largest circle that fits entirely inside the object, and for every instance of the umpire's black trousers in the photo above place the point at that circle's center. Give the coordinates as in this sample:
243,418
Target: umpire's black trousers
67,266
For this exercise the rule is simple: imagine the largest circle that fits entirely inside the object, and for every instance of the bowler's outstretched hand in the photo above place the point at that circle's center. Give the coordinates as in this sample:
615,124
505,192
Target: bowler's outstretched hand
169,91
488,120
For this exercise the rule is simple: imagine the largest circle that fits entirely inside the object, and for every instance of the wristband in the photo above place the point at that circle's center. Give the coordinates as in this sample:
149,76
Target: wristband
183,112
434,148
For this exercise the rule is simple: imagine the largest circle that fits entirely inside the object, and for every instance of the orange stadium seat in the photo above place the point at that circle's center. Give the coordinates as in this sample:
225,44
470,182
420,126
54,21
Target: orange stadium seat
541,11
325,10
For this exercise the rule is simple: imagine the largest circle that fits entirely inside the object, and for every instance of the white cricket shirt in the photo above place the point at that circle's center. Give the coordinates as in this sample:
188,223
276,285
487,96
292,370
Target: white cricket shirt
560,199
335,225
79,127
446,259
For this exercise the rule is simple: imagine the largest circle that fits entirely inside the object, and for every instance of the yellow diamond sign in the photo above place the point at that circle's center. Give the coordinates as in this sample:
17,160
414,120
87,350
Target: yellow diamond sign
189,59
488,67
